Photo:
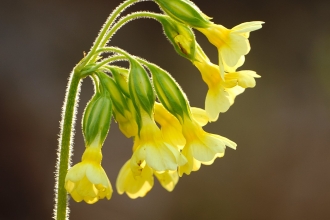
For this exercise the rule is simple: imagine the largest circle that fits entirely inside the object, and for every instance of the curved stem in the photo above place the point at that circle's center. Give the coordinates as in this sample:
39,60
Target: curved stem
65,144
125,20
109,60
106,26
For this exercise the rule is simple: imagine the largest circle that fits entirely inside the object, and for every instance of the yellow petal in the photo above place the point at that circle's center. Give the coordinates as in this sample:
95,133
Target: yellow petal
247,27
76,173
207,147
233,92
200,116
216,101
233,69
137,186
236,46
168,179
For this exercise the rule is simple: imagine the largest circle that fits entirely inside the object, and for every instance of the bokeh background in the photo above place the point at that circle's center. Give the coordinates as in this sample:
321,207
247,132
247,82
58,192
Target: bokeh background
282,127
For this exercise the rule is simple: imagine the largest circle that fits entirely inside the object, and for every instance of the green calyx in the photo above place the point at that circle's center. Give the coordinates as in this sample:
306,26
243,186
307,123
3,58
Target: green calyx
184,11
120,75
97,117
140,88
169,92
180,35
118,100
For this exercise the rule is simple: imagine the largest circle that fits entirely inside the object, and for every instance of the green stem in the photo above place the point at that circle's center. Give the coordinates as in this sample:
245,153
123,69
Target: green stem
109,60
125,20
108,23
65,143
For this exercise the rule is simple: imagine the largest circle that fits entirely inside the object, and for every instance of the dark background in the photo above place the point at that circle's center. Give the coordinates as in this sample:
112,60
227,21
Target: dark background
281,167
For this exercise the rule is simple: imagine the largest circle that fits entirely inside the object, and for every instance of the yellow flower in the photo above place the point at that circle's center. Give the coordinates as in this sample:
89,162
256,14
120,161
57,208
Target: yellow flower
222,91
168,179
87,180
134,186
151,149
139,186
232,43
201,147
243,78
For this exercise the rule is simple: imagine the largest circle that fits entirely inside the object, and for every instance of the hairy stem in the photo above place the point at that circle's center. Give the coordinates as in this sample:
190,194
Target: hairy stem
65,143
100,38
126,19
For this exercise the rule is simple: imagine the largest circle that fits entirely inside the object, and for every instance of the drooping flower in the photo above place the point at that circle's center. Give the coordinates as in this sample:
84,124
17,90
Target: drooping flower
222,91
139,186
134,186
87,180
150,148
201,147
168,179
232,43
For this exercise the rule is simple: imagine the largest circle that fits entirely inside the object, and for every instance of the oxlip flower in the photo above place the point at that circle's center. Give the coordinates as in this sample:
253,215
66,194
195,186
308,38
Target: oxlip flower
87,180
134,186
139,186
222,91
218,98
233,43
201,147
168,179
150,148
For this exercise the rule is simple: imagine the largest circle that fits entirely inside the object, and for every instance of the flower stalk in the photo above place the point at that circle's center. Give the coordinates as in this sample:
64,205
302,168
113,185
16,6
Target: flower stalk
65,145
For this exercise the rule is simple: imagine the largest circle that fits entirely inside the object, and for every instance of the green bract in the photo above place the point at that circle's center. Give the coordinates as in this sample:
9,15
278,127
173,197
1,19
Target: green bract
184,11
97,118
180,36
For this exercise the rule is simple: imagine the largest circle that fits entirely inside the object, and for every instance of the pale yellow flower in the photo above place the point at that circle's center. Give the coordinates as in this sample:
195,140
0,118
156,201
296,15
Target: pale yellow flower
87,180
201,147
151,149
222,91
134,186
139,186
232,43
168,179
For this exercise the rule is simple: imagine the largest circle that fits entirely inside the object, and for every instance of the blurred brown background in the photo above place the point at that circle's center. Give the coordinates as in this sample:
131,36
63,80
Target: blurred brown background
281,169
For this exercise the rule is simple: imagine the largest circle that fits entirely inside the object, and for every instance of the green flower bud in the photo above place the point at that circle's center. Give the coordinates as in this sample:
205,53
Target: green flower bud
184,11
120,75
169,92
96,119
180,36
140,88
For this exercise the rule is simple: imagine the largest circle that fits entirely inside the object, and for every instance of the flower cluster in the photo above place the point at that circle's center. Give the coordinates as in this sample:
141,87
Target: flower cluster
168,134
